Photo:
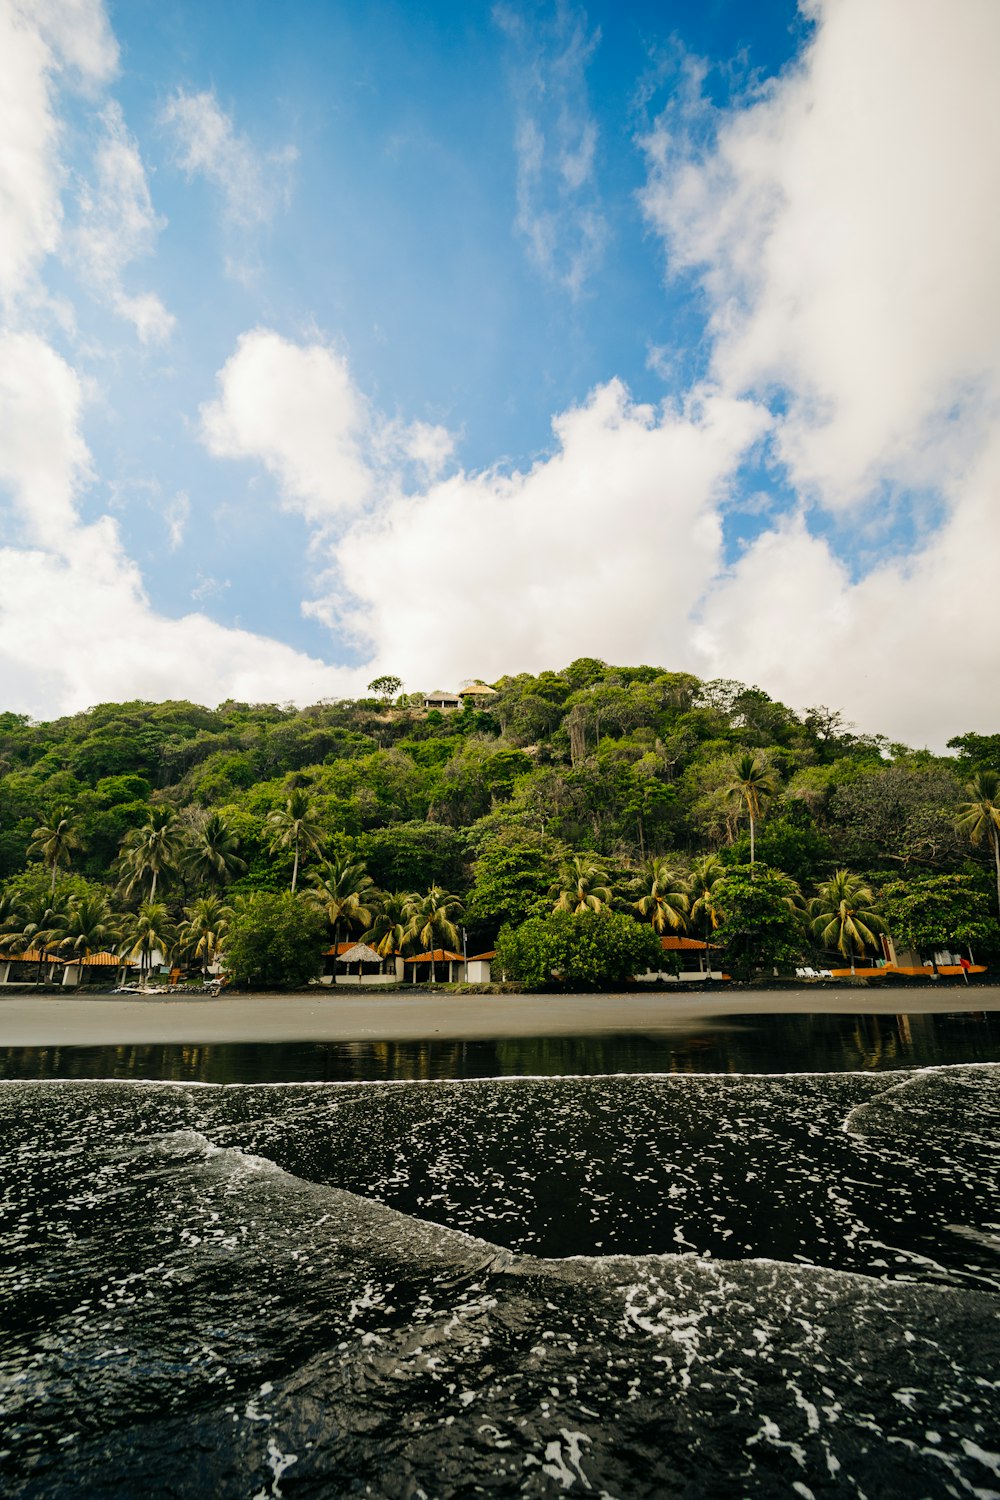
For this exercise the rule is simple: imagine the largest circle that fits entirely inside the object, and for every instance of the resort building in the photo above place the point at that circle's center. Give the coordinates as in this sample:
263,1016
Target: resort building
476,695
695,961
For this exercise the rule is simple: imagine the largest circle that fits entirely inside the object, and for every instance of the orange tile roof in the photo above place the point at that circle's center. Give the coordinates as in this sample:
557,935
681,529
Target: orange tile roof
439,955
672,944
475,957
33,957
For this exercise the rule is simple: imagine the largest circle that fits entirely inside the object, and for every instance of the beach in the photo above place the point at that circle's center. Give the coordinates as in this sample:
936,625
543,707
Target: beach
36,1021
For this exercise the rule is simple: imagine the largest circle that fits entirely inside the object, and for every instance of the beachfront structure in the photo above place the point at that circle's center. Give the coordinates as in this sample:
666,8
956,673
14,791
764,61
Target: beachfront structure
425,968
478,967
357,963
26,968
93,968
694,958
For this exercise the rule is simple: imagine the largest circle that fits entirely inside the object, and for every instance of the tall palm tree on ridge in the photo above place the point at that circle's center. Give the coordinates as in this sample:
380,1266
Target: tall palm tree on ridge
294,828
752,784
211,856
55,841
153,851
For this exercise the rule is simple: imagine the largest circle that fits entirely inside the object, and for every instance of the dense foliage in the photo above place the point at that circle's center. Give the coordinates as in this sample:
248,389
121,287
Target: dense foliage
577,951
592,788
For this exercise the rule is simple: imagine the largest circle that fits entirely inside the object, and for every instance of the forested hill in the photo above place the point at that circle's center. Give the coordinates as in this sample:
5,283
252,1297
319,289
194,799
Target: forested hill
616,762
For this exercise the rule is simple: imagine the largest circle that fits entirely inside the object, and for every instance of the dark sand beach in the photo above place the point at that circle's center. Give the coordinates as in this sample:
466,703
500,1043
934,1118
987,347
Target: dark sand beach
27,1020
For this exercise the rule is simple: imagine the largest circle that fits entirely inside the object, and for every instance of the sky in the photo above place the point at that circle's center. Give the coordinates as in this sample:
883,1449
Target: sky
454,341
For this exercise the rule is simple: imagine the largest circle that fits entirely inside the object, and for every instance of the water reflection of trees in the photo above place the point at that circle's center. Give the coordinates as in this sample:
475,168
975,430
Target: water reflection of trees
738,1044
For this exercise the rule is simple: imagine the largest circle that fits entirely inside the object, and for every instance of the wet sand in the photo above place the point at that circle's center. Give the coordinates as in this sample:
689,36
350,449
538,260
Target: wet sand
42,1021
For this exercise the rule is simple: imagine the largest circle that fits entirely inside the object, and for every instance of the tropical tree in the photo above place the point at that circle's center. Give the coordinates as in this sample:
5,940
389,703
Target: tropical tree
752,783
432,920
35,926
293,827
389,933
666,902
55,841
581,886
89,928
211,857
703,908
147,931
152,852
205,928
980,815
275,940
843,915
345,893
10,919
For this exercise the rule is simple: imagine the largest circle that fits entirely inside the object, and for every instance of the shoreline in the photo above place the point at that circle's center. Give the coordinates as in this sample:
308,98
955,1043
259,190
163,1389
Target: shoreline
40,1021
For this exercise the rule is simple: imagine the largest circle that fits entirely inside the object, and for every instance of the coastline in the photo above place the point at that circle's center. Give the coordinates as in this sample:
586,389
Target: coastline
41,1021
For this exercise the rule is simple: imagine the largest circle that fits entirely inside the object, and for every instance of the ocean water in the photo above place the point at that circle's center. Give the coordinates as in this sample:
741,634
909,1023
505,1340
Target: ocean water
616,1284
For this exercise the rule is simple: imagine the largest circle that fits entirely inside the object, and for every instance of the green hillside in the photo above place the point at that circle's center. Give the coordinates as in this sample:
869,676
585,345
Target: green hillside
616,765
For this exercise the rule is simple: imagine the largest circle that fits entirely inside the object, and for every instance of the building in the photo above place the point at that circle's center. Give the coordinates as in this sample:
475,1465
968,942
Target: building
695,958
441,700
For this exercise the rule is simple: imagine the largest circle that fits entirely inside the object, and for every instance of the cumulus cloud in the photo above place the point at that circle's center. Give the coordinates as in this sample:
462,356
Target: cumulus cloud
846,227
297,410
559,214
604,547
251,185
118,224
37,41
43,458
97,637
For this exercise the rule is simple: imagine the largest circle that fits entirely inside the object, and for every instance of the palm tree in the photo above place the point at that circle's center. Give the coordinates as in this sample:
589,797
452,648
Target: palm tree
147,930
211,857
843,916
345,893
389,933
152,851
980,816
752,784
581,886
294,828
36,927
704,876
432,921
55,841
10,920
666,902
89,927
204,932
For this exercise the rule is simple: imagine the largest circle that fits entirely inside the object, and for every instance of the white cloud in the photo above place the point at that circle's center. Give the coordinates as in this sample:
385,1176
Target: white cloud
846,226
559,213
97,639
909,649
177,515
29,170
75,624
43,458
296,410
117,224
251,185
603,548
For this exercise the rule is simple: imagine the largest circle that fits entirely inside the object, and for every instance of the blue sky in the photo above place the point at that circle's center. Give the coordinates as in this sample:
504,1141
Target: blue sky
461,340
